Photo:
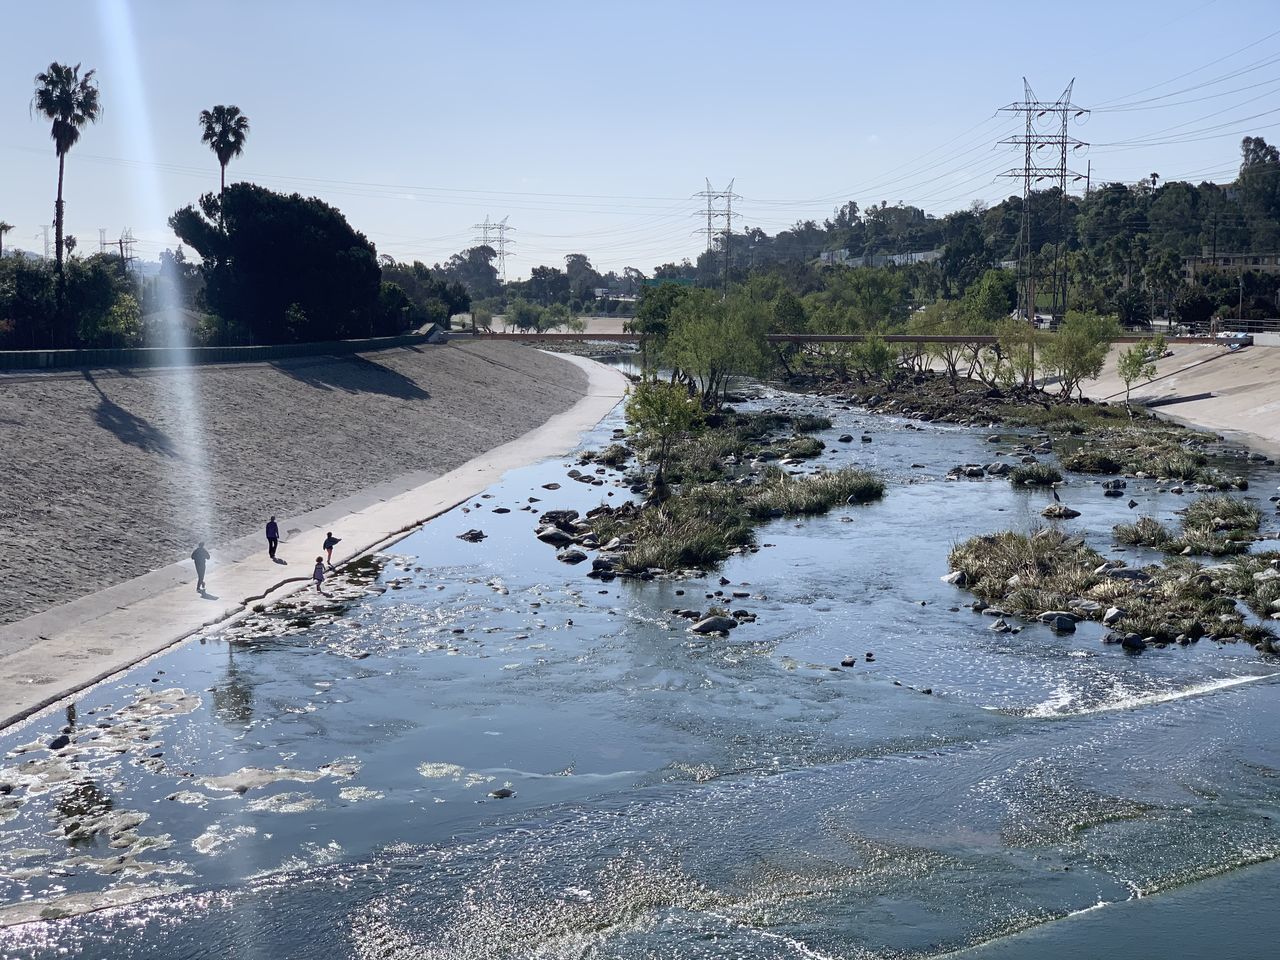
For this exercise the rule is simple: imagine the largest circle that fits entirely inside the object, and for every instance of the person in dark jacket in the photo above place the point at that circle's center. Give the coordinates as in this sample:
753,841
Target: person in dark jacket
330,541
200,556
273,537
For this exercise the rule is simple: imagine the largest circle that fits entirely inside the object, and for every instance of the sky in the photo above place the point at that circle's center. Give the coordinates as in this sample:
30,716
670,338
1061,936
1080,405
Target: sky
591,125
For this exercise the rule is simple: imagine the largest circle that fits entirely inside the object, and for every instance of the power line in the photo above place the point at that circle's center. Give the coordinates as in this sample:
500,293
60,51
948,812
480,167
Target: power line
713,214
494,236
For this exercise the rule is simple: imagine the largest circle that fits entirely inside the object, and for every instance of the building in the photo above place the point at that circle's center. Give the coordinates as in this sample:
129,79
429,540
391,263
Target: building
1230,263
842,258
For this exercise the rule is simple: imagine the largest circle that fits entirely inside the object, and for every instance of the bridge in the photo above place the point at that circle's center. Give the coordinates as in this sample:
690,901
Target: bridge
919,339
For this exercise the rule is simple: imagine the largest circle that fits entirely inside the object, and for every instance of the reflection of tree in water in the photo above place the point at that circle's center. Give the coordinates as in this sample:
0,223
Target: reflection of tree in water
82,801
233,697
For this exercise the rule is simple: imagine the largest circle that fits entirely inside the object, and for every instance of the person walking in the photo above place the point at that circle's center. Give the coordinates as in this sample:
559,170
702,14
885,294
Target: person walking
330,541
318,574
273,537
200,556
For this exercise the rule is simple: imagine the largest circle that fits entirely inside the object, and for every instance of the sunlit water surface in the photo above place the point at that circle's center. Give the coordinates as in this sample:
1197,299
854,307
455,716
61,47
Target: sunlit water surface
318,783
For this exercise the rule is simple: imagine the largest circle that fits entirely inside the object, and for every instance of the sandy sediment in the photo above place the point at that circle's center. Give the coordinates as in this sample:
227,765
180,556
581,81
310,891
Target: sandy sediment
100,484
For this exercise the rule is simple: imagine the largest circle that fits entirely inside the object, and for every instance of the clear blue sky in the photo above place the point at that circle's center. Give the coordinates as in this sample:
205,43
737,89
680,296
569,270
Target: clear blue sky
591,124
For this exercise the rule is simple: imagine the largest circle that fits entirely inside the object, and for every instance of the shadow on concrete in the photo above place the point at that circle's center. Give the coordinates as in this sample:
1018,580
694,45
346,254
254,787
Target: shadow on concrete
129,427
352,375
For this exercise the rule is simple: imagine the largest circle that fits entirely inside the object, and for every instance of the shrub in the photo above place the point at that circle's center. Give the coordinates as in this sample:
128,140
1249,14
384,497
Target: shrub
807,423
1034,475
804,447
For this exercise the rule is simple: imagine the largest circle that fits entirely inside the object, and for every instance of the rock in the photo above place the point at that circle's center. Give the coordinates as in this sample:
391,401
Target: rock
472,536
1085,606
1062,625
865,438
845,438
602,565
1050,615
1059,511
502,793
57,743
956,578
1132,504
975,473
1000,626
849,662
714,624
558,518
1113,615
1113,485
871,657
501,509
571,556
1028,459
554,536
993,439
1132,641
1271,573
998,469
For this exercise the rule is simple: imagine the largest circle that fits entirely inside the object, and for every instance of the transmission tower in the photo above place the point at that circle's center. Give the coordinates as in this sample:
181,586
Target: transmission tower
1046,129
494,235
126,243
714,214
44,233
102,239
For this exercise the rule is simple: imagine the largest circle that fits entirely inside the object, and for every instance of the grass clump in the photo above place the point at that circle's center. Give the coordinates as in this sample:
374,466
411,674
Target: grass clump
787,496
1048,570
1216,525
803,448
808,423
1146,532
700,526
1034,475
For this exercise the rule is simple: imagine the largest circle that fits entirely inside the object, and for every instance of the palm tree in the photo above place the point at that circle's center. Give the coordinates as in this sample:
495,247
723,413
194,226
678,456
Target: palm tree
225,130
70,101
5,227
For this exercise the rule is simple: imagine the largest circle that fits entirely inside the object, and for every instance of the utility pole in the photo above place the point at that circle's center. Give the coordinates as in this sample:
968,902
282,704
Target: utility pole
494,236
711,230
1054,136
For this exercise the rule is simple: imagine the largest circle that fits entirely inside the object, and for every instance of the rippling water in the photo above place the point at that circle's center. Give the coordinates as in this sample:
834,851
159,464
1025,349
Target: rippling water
317,783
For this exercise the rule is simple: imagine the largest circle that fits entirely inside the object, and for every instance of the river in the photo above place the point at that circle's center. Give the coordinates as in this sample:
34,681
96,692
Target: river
319,784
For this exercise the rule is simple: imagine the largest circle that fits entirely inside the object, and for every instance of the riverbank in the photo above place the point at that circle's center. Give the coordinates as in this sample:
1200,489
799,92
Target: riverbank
1237,393
47,656
104,482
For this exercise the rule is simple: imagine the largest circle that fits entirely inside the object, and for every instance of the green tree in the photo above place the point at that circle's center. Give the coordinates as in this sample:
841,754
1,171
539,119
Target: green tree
660,414
653,321
1078,350
69,101
713,339
264,251
523,315
1139,362
124,322
1192,306
224,129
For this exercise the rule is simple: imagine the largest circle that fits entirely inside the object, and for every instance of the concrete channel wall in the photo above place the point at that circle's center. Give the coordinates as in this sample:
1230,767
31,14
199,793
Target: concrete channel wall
172,357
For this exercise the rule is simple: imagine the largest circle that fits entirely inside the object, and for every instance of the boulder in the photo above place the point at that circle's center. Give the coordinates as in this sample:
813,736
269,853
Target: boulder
1051,615
1062,625
714,624
571,556
472,536
1059,511
845,438
1113,615
1000,626
554,536
1132,641
956,578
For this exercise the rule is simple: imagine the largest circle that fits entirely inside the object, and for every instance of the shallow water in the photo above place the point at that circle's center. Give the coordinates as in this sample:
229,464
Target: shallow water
318,785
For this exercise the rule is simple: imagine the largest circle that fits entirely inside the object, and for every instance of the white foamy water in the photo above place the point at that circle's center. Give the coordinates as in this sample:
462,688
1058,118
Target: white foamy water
1067,701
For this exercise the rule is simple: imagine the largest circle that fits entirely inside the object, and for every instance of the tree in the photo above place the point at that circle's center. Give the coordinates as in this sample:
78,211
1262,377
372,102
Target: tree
1078,351
4,228
712,340
474,269
523,315
224,129
69,101
653,320
1137,362
264,252
661,413
1192,306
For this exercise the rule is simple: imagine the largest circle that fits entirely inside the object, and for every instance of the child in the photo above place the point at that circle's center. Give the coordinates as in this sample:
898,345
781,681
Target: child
318,574
330,541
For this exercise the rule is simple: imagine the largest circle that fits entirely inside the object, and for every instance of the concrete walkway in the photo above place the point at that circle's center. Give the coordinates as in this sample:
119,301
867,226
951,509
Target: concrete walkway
50,656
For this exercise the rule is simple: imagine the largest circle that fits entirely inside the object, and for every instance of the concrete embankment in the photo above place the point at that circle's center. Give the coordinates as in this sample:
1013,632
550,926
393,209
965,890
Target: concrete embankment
489,408
1236,393
102,481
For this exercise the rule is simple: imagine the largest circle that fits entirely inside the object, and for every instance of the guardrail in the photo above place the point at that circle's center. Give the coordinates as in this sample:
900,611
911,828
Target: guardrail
976,339
177,357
